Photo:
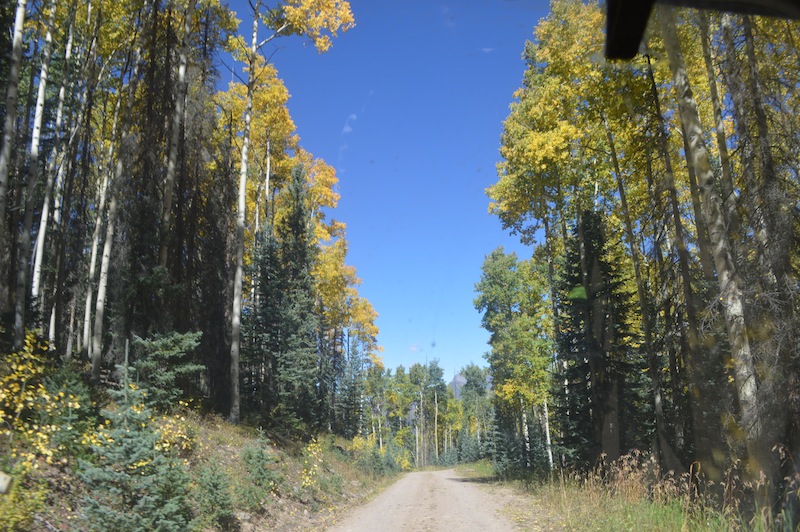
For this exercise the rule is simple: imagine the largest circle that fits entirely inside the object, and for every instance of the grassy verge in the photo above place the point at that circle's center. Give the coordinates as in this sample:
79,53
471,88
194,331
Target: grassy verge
238,479
292,486
135,457
479,469
627,495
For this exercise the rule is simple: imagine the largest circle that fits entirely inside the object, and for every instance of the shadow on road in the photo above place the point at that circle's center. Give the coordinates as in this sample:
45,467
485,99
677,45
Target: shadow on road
474,480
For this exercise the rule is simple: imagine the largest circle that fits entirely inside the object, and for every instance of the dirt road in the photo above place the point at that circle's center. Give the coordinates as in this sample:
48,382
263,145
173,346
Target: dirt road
430,501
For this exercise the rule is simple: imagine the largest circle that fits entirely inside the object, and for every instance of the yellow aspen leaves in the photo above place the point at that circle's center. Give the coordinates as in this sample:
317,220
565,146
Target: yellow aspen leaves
320,20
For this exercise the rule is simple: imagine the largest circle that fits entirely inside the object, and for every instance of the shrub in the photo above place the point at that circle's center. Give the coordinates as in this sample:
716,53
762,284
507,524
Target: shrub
377,461
213,496
134,485
312,463
162,366
26,406
18,507
448,458
73,411
260,479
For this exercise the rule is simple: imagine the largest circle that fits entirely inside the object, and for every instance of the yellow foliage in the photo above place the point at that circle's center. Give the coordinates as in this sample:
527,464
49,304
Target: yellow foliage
176,436
26,405
312,464
18,507
361,444
319,19
405,460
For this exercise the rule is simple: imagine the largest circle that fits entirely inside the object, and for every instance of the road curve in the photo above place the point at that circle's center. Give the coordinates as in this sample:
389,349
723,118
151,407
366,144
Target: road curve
429,501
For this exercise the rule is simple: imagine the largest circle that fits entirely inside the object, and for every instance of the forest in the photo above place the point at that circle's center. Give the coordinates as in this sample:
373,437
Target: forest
166,242
658,309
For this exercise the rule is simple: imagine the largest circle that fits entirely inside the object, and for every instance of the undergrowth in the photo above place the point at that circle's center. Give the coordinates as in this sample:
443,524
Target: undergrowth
130,458
632,493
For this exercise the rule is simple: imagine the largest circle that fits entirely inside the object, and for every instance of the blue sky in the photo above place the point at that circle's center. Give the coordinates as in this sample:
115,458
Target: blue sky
408,107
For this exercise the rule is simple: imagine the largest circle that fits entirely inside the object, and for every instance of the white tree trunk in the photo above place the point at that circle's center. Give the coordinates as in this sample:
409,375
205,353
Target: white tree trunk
236,312
525,433
416,446
12,94
68,349
548,442
24,250
98,223
99,313
55,178
380,432
729,196
177,126
436,424
100,201
41,235
729,281
96,346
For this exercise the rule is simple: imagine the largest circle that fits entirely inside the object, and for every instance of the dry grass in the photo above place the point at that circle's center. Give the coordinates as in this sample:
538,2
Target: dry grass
303,486
294,502
633,494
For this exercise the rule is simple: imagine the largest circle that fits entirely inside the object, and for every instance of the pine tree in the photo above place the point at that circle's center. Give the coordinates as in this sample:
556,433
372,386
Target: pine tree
297,358
283,355
597,403
134,485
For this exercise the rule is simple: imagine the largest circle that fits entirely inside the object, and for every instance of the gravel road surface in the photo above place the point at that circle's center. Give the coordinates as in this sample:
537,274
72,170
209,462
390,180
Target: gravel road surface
430,501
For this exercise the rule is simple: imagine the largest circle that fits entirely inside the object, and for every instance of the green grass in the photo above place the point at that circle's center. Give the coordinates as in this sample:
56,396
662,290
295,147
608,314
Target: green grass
630,494
479,469
587,507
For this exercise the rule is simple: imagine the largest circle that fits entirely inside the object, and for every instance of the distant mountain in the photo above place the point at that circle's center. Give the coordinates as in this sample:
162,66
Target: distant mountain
456,384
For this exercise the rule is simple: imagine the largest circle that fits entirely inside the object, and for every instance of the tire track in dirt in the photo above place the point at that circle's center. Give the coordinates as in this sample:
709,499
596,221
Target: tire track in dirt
429,501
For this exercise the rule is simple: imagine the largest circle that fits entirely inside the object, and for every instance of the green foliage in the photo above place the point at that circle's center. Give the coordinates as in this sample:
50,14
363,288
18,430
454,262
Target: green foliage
163,367
45,415
374,460
77,416
45,408
448,458
26,497
601,370
469,447
283,325
508,453
260,480
512,297
134,486
212,494
349,404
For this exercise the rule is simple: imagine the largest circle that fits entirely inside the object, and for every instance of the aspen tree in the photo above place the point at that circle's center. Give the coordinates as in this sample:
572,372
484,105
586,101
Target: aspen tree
729,281
236,311
96,346
728,198
671,460
24,245
12,93
177,127
55,155
303,17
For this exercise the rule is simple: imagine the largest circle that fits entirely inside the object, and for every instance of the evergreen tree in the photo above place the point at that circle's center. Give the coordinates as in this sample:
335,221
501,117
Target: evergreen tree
599,409
262,329
297,358
283,354
163,366
349,405
135,486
